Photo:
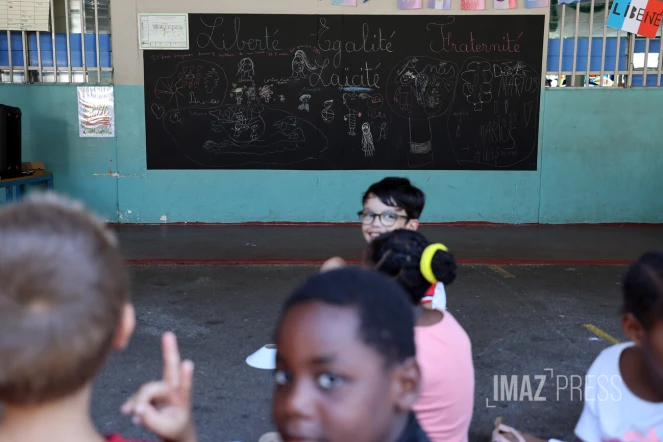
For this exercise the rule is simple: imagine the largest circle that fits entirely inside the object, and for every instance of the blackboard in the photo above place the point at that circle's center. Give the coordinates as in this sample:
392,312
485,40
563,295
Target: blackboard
353,92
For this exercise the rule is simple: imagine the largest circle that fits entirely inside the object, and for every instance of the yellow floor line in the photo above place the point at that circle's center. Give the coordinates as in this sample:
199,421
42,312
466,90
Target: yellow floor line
600,333
501,271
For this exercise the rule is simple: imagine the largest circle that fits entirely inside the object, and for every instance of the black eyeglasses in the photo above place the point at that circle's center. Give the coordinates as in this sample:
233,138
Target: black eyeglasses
387,219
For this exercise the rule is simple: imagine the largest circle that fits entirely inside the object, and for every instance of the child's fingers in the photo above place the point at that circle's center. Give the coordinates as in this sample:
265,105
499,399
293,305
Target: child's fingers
186,381
171,359
148,393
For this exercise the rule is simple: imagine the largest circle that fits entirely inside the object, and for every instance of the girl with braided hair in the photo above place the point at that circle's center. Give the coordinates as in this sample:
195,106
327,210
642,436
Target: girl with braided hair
444,350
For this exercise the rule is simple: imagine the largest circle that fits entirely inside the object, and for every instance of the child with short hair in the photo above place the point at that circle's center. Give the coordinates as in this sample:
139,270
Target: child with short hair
444,350
390,204
624,385
64,305
346,362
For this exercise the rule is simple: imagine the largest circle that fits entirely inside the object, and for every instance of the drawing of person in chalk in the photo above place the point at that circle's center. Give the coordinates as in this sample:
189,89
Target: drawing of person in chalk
301,66
245,69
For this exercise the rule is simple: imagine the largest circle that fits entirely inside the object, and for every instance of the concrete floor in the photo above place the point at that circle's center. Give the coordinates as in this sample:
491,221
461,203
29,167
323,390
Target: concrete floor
310,244
521,319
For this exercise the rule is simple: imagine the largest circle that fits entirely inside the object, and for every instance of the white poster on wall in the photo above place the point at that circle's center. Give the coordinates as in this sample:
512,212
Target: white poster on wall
163,31
96,112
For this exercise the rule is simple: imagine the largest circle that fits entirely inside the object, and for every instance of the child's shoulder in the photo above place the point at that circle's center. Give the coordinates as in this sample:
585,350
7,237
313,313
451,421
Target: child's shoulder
119,438
608,359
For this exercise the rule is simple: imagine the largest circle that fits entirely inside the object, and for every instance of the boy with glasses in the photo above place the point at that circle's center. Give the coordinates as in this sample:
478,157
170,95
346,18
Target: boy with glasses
391,204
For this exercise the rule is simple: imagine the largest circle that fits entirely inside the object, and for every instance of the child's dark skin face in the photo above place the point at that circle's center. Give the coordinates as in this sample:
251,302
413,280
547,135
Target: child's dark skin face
331,386
643,367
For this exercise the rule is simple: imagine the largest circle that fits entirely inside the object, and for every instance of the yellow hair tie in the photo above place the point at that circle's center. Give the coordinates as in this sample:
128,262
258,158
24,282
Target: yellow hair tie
425,265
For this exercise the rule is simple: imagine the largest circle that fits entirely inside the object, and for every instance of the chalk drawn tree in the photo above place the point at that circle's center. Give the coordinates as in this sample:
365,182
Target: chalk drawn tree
477,81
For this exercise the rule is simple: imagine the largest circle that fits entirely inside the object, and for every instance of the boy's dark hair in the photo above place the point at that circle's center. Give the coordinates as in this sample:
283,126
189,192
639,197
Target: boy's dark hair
642,289
62,291
386,318
398,192
398,253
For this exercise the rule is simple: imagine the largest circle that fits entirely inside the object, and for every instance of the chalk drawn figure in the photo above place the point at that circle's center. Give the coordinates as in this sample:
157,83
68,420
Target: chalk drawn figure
211,81
251,96
245,69
375,103
304,106
327,113
351,101
383,131
266,93
301,66
405,91
367,140
477,83
237,94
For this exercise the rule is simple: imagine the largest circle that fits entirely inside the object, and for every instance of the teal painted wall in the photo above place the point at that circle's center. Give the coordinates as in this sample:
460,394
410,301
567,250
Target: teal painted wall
597,163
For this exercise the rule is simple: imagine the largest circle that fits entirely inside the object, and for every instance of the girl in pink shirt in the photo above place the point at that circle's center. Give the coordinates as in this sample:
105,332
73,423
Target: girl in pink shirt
444,351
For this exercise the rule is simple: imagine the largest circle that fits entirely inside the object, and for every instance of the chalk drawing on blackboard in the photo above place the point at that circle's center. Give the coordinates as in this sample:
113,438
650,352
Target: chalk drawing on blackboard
158,111
383,131
375,103
301,66
238,95
266,92
502,135
527,107
367,140
420,89
246,69
477,81
192,79
516,79
231,136
327,113
351,101
175,118
304,106
211,80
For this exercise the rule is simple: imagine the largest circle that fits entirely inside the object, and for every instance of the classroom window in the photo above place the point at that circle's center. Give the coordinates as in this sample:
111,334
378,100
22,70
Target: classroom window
79,40
604,56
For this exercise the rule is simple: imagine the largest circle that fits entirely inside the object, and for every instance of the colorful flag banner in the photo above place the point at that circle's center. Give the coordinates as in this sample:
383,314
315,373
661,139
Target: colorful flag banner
344,2
410,4
641,17
537,4
473,5
439,4
505,4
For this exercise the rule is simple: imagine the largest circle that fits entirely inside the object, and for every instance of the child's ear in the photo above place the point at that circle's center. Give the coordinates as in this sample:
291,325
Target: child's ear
632,328
413,224
407,385
125,327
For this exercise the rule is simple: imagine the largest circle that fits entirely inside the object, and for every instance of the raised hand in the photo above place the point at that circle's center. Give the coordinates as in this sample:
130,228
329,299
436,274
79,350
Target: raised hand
164,407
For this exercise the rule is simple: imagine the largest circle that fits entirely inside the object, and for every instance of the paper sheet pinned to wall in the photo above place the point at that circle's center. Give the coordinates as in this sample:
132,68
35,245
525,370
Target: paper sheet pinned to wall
25,15
344,2
473,5
410,4
163,31
439,4
96,112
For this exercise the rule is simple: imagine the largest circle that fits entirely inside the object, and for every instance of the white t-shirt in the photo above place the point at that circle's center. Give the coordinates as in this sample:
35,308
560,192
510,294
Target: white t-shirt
612,413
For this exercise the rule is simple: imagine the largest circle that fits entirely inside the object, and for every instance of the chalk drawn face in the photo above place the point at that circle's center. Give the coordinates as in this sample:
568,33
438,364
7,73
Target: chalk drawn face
375,102
351,101
365,128
304,98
